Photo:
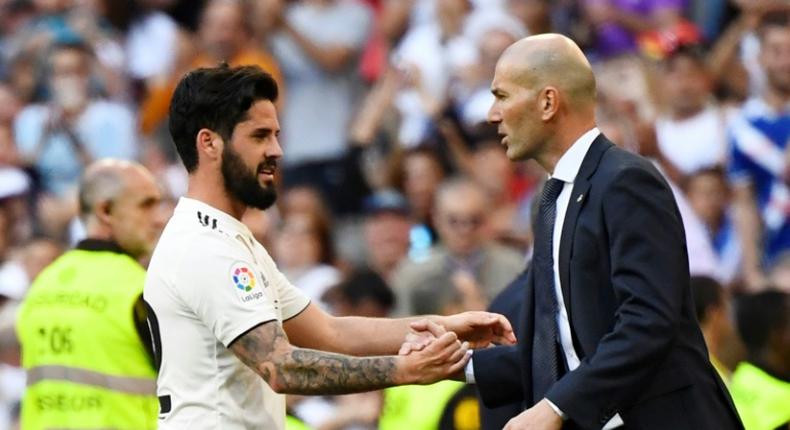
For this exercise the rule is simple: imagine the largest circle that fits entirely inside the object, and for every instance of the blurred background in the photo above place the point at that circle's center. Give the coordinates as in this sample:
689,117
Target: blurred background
395,195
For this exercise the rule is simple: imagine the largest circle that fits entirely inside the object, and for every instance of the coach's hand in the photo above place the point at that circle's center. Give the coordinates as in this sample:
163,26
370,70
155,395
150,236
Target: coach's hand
539,417
442,358
480,329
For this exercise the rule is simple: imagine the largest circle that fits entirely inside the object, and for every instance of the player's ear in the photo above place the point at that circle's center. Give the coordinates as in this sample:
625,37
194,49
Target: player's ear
209,144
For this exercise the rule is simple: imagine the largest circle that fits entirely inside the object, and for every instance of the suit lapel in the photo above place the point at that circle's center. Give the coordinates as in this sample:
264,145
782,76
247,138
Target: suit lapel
581,185
580,188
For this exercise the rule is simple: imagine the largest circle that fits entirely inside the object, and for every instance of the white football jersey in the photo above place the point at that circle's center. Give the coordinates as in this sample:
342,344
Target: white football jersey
209,282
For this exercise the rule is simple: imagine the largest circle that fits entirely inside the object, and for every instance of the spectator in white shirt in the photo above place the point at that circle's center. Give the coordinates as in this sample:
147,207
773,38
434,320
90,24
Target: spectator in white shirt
691,131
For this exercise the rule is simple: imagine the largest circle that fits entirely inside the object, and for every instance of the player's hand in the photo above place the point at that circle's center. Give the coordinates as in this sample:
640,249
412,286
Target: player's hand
444,357
480,329
539,417
416,341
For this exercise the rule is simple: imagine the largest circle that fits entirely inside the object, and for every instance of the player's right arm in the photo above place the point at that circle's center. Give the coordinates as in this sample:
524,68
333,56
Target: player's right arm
292,370
219,282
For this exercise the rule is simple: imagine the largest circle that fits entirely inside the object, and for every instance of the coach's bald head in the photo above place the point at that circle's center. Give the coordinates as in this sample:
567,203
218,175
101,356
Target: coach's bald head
545,97
551,59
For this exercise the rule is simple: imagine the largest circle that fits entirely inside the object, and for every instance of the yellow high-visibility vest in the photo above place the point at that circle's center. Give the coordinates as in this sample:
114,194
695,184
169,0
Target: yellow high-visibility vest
763,401
85,363
416,407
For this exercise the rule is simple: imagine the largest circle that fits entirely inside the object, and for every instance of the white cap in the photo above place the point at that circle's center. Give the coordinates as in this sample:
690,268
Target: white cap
13,182
13,280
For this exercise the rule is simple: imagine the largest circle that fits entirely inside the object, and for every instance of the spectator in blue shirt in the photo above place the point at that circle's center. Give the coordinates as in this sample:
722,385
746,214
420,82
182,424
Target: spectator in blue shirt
58,138
759,158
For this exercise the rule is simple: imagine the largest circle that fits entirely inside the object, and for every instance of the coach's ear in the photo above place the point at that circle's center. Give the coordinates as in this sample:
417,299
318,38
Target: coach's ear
209,145
549,103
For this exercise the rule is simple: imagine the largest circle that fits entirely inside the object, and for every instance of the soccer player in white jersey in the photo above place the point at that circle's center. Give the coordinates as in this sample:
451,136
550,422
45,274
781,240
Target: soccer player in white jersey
232,335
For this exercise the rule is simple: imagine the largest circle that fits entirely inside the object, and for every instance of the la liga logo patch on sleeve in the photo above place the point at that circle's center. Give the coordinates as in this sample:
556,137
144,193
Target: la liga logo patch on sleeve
243,279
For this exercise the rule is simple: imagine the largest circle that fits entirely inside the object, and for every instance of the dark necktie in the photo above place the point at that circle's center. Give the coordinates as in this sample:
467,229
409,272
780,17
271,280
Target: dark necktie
545,340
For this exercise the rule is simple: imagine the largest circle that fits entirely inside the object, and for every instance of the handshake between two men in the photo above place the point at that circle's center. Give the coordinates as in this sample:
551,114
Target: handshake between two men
440,347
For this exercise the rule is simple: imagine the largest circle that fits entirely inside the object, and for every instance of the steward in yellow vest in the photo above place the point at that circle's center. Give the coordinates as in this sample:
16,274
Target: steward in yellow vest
762,399
85,363
417,407
85,344
760,387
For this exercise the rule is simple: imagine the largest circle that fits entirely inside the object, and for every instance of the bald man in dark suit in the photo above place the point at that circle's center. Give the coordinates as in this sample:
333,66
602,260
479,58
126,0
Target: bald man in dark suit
608,337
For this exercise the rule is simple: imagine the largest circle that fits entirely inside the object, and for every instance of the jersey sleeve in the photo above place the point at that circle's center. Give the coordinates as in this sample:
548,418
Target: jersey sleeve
218,282
291,299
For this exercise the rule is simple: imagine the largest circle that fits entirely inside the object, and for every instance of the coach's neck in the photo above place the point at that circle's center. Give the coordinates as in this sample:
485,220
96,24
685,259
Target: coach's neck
566,133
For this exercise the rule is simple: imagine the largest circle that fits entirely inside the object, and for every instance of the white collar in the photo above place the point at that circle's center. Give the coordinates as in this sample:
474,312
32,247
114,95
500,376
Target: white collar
228,221
571,161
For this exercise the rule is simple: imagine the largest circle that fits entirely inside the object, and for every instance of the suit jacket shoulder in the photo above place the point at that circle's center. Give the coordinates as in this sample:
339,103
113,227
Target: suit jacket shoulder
615,162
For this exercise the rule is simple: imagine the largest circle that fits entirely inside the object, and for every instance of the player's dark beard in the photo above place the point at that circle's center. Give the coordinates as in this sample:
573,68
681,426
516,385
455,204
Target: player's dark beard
242,184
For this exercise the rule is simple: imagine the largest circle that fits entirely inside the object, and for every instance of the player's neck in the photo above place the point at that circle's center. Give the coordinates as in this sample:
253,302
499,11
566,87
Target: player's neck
214,194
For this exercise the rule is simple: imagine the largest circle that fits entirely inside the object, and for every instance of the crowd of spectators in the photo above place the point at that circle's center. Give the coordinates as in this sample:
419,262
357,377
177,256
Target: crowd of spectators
395,196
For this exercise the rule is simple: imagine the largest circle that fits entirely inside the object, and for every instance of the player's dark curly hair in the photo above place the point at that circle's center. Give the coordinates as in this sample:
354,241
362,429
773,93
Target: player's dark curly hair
216,98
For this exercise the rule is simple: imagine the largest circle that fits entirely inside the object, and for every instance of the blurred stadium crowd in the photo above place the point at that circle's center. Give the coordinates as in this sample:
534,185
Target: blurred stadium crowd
395,196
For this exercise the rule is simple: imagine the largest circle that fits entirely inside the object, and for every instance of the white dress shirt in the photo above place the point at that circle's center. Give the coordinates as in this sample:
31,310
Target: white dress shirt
566,170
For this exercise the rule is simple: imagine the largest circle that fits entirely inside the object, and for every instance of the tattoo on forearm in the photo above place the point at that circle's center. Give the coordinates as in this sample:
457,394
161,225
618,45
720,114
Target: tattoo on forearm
308,371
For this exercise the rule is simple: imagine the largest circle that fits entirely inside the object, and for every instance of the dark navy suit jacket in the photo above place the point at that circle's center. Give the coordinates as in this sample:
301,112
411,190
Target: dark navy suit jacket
508,303
625,281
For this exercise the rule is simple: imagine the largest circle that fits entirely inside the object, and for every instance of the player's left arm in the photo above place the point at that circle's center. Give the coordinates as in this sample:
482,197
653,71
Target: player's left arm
314,328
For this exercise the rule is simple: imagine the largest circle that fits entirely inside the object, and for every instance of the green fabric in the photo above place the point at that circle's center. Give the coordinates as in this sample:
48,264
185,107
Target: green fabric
416,407
293,423
763,401
79,314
